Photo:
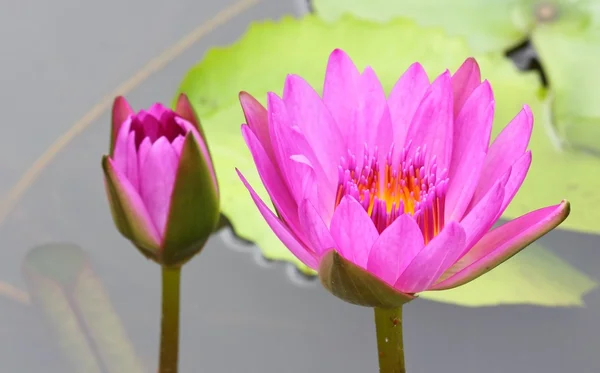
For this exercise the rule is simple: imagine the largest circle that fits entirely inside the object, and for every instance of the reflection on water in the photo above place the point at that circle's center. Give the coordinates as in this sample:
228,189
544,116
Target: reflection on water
76,309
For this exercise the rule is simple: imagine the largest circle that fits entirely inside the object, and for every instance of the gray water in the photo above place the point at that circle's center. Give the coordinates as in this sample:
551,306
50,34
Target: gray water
240,313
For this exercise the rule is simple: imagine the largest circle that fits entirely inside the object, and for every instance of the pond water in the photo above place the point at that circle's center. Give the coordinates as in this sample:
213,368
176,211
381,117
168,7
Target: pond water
240,313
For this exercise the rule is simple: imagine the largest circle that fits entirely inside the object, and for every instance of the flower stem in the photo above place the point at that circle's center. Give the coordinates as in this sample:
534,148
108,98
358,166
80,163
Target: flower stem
390,346
169,326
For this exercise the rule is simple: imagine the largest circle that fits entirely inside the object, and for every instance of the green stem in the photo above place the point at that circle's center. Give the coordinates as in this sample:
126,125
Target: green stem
169,326
390,346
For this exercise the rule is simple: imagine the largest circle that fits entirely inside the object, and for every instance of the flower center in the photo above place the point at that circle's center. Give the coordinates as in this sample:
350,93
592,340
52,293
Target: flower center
402,186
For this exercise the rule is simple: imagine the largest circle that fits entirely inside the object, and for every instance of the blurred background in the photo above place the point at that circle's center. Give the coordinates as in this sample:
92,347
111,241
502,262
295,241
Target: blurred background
76,297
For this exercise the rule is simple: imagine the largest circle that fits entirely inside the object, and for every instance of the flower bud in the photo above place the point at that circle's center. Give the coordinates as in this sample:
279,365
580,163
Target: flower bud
160,181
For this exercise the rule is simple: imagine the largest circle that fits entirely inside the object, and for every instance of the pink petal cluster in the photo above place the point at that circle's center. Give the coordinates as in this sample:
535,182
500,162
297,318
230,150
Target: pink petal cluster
406,187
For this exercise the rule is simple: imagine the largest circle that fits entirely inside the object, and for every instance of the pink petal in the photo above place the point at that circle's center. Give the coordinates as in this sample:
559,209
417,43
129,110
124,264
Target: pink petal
472,130
157,110
280,229
121,110
461,187
395,249
502,243
121,146
340,95
280,195
506,149
132,169
258,121
293,153
404,100
464,81
432,123
374,120
307,111
286,143
143,151
189,127
170,127
136,202
483,216
157,177
433,260
147,125
315,229
177,145
353,231
473,125
517,176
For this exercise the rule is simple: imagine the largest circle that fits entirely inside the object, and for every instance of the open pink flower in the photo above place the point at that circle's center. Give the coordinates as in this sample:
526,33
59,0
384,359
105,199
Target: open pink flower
160,181
399,191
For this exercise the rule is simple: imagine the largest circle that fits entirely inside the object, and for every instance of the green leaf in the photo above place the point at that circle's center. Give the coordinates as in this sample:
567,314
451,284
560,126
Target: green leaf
194,209
566,35
78,310
570,50
260,61
489,25
534,276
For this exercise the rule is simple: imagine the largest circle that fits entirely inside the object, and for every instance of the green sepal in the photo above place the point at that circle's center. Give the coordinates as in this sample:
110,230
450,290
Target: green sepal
194,211
354,285
185,110
127,221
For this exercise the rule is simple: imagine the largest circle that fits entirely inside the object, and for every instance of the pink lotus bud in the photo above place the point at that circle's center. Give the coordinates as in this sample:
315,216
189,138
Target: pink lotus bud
160,181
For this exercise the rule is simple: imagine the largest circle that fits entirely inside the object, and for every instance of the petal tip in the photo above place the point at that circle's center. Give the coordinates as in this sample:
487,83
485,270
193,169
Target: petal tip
472,61
121,110
471,65
338,52
183,97
339,57
240,175
487,85
245,98
185,110
527,109
417,66
120,103
565,209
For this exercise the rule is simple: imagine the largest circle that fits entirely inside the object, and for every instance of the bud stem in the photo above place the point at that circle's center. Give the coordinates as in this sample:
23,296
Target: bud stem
390,346
169,327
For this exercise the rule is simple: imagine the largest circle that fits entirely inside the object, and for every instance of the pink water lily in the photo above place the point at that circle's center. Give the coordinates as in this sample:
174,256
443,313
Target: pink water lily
160,180
404,188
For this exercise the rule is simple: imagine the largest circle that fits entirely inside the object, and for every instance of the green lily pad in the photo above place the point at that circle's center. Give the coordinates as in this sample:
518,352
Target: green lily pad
489,25
570,52
566,35
260,61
